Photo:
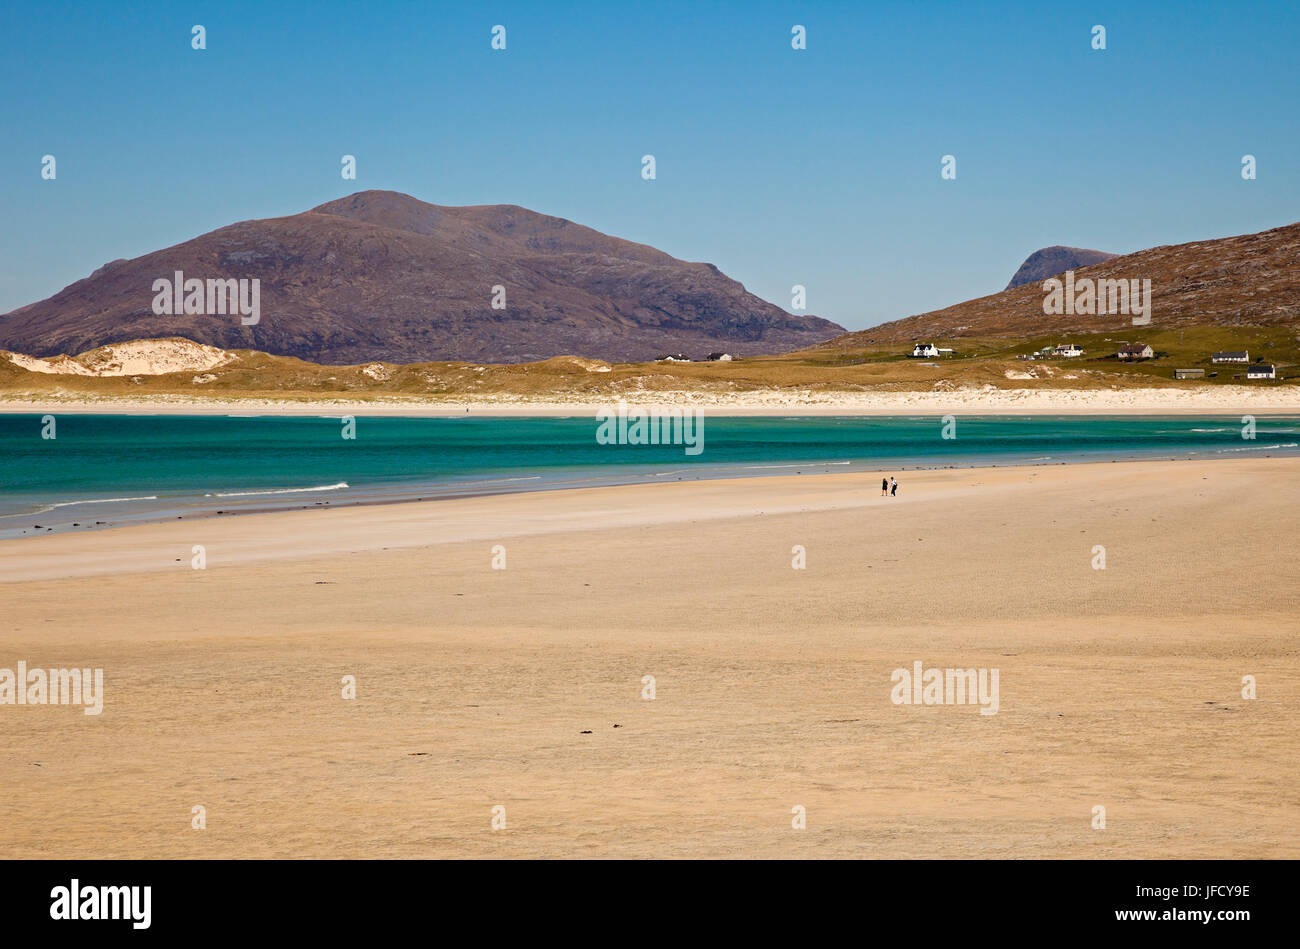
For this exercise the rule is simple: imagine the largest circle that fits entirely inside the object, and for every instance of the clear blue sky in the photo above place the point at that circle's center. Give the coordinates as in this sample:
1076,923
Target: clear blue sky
818,167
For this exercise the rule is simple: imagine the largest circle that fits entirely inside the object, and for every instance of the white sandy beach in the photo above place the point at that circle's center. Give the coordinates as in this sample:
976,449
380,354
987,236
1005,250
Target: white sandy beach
522,687
1208,400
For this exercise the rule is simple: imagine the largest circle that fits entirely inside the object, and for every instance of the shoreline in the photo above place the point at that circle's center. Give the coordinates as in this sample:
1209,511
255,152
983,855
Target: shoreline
428,493
271,534
1208,400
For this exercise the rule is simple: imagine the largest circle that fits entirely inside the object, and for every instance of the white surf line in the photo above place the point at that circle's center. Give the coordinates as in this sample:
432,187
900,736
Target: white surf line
249,494
1260,447
467,484
51,507
810,464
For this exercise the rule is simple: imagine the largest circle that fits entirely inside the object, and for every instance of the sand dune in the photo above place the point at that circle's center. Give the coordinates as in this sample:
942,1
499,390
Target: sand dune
144,357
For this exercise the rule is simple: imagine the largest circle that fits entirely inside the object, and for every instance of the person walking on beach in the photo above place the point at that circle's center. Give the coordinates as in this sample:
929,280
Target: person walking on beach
893,487
884,487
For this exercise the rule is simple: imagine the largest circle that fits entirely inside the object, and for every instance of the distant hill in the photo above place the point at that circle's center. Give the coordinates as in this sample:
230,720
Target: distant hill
1051,261
379,275
1251,280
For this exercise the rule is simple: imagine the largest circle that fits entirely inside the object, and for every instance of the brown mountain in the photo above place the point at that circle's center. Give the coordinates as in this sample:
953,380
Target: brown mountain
1050,261
1251,280
381,276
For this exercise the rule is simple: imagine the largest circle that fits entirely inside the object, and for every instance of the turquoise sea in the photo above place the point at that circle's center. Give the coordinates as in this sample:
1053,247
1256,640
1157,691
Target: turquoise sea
108,470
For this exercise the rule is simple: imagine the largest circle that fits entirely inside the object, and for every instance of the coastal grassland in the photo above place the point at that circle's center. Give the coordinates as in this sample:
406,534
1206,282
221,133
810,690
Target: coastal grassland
1175,348
976,363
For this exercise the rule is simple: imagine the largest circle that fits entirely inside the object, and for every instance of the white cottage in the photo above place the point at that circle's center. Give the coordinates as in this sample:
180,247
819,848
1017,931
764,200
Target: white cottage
1136,351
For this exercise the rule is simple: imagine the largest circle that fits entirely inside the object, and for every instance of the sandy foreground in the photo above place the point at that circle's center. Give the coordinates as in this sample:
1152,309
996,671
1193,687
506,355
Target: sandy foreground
522,687
1190,400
